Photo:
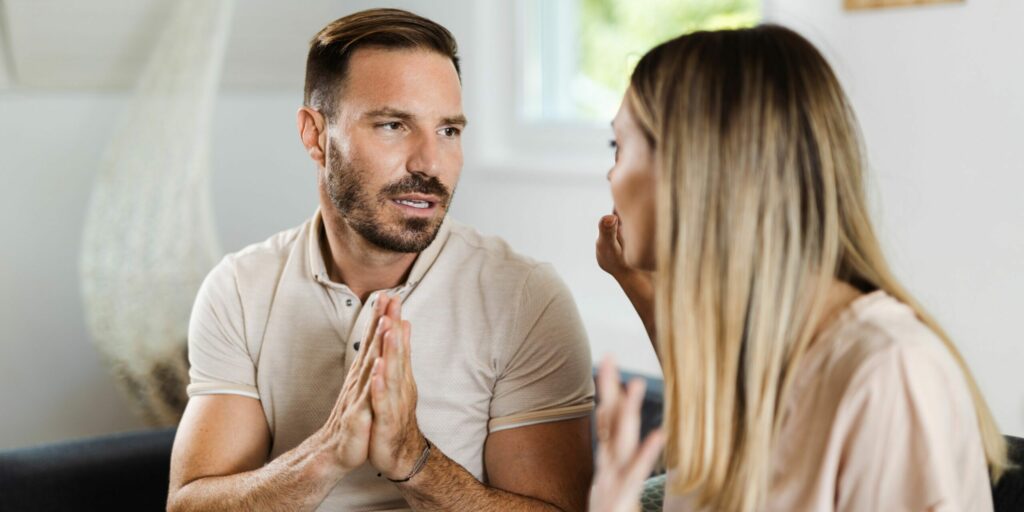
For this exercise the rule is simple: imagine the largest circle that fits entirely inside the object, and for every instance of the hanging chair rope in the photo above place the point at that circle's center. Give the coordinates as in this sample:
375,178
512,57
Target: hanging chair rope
149,237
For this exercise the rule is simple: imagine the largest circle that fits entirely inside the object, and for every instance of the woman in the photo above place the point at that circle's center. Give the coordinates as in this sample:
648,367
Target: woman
799,374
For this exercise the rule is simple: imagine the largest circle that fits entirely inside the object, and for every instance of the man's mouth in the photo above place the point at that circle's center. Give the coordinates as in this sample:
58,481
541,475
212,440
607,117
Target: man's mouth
417,204
423,205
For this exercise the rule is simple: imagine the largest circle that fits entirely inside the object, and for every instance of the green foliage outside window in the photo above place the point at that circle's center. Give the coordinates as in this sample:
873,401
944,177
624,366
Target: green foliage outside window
614,34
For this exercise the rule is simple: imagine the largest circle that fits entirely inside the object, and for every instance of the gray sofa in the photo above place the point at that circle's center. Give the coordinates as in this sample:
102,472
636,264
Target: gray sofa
130,471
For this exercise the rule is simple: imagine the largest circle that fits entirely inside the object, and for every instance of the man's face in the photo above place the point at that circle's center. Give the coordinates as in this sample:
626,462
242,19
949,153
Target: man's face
395,146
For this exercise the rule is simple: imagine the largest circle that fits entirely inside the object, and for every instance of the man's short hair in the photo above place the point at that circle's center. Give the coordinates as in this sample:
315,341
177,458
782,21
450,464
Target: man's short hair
332,47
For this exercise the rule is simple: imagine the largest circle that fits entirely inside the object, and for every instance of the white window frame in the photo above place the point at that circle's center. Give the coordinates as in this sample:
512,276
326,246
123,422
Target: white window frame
503,140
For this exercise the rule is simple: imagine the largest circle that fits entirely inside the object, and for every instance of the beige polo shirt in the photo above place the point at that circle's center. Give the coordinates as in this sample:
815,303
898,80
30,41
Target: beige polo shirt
497,344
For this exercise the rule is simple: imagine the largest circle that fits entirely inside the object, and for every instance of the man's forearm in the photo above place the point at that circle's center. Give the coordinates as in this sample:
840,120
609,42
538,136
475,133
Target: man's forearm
445,485
299,479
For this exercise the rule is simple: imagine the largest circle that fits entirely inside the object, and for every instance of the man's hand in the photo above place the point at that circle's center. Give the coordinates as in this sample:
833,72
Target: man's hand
622,463
396,442
347,430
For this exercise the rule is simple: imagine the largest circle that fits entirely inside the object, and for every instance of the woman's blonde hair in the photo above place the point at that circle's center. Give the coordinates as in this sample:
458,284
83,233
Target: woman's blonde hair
760,207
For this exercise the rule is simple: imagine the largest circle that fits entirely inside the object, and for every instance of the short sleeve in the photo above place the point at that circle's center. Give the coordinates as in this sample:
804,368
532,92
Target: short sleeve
912,441
219,361
547,376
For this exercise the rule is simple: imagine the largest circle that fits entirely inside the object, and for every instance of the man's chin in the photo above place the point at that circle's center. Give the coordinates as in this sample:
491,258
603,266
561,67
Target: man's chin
408,236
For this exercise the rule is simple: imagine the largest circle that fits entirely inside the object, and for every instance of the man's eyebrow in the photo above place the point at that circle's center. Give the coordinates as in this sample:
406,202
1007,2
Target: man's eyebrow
389,112
459,120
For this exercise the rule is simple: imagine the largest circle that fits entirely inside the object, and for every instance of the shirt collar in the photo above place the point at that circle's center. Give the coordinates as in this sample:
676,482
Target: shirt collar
424,260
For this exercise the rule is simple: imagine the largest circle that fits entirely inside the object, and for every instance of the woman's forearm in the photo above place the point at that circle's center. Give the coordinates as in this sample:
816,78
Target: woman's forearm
639,288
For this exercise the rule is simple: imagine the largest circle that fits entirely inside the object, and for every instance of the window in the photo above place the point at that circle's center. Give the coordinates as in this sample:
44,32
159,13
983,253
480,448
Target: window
551,73
578,54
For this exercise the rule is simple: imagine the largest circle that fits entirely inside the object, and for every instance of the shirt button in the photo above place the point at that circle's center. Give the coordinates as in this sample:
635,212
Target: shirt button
348,302
356,346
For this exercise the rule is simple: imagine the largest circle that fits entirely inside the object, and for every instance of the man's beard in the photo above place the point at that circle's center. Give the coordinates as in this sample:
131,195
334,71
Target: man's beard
363,212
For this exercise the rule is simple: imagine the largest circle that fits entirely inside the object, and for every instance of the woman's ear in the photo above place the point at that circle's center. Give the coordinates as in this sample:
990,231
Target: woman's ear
313,134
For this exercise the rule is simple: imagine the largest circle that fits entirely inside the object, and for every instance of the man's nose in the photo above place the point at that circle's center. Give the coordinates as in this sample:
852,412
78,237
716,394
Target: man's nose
426,156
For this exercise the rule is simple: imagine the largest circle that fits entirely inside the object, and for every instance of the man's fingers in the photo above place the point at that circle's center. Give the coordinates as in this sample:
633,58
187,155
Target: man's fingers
392,360
379,304
364,357
405,348
366,390
372,352
394,310
378,394
363,398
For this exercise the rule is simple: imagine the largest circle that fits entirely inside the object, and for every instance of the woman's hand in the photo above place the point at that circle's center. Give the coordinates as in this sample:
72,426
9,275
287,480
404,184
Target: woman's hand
622,462
609,249
637,284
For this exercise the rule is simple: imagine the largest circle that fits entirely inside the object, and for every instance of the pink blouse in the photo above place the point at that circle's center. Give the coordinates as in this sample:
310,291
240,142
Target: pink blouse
880,419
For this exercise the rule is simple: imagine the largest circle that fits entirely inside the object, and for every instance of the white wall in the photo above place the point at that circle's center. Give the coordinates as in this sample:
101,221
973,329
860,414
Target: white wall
940,97
939,92
52,383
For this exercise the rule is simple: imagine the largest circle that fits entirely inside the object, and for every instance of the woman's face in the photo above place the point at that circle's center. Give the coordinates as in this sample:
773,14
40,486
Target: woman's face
632,181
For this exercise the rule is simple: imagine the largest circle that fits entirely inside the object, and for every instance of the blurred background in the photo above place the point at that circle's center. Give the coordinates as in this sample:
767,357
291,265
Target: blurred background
939,92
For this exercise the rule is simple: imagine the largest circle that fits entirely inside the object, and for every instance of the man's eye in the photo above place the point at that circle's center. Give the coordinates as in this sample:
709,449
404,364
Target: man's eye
393,125
451,132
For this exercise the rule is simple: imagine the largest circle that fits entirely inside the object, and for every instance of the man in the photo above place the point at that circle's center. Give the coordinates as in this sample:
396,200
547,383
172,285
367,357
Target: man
382,356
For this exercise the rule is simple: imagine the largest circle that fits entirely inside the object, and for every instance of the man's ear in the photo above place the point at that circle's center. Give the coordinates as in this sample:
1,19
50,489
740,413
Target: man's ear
313,133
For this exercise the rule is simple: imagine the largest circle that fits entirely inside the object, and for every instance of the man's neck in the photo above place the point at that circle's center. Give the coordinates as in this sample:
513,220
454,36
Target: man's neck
363,267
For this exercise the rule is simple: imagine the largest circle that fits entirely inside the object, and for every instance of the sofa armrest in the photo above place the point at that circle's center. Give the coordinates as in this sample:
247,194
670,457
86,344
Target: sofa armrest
118,472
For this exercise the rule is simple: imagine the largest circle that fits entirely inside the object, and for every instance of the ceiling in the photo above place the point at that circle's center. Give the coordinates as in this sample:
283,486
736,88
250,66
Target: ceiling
103,44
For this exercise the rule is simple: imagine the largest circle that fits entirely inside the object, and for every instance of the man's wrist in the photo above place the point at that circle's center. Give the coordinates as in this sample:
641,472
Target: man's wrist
421,461
409,457
325,461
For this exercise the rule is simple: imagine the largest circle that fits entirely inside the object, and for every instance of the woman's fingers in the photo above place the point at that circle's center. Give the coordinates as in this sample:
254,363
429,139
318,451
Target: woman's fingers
608,392
618,420
623,463
606,241
618,233
647,456
626,429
